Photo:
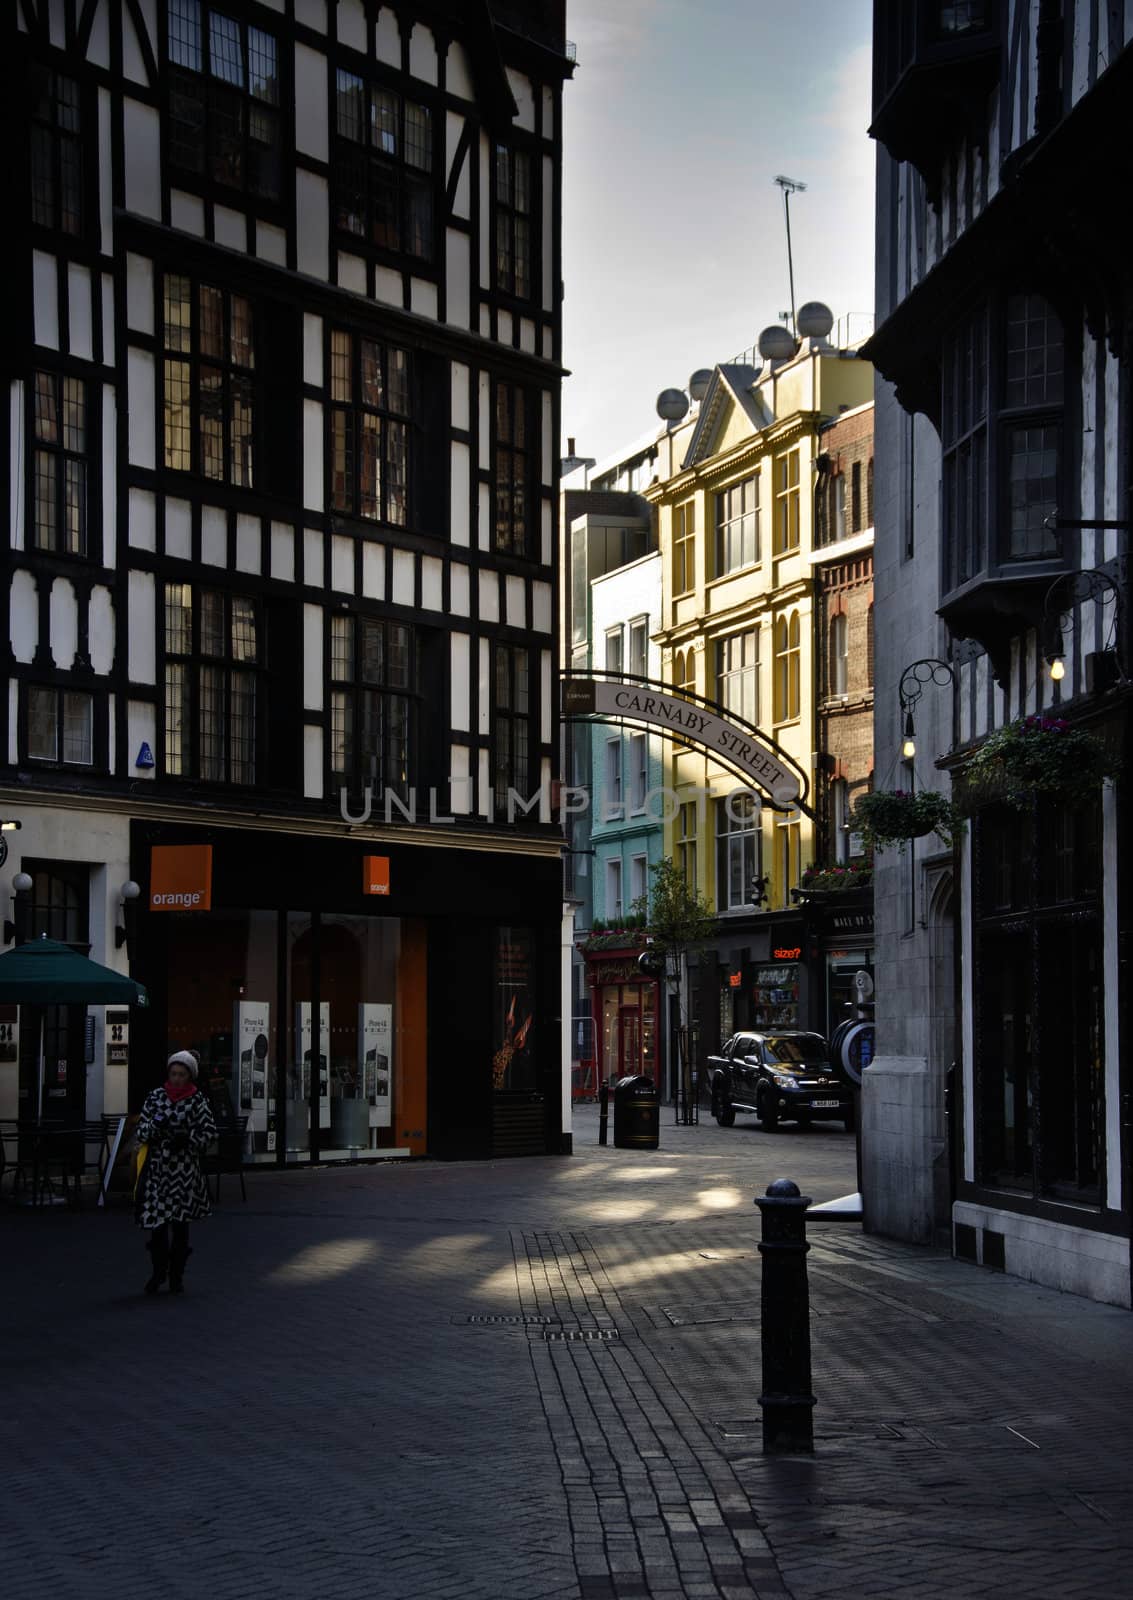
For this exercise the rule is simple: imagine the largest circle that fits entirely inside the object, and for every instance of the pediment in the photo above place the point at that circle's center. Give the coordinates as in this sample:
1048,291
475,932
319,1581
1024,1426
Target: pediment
732,411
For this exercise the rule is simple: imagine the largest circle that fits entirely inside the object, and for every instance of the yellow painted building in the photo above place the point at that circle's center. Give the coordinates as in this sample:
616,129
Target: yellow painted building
737,536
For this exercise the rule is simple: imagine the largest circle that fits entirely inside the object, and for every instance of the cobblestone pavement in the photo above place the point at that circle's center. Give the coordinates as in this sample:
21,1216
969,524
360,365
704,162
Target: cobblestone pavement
535,1379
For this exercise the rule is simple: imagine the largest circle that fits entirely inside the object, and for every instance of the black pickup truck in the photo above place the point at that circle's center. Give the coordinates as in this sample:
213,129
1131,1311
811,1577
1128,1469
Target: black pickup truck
780,1074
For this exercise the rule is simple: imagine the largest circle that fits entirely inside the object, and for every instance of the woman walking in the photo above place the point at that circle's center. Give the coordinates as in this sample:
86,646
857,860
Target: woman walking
176,1126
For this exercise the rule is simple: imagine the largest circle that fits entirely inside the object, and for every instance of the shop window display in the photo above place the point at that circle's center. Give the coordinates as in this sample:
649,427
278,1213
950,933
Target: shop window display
327,1046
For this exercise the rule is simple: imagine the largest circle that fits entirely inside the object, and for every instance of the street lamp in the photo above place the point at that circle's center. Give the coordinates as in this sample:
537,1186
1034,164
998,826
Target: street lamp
22,886
129,892
1069,590
913,682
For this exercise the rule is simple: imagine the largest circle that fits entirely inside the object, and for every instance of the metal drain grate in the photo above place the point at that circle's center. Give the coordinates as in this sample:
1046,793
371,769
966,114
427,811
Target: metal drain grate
520,1321
582,1335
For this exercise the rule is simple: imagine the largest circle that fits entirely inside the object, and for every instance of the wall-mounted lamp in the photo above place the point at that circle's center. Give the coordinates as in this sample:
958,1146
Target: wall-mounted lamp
913,682
1067,592
15,926
124,932
9,824
909,744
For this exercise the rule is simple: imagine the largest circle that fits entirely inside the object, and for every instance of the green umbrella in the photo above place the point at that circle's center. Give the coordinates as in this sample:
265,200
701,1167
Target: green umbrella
44,972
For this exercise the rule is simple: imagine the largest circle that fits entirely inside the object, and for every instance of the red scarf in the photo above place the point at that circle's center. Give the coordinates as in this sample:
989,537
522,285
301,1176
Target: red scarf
180,1091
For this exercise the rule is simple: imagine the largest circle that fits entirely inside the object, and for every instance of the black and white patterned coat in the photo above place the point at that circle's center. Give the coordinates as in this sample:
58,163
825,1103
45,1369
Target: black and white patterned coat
173,1184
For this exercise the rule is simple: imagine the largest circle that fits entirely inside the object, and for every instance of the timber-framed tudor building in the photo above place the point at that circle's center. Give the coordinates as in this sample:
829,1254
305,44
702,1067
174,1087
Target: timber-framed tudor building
997,1109
281,341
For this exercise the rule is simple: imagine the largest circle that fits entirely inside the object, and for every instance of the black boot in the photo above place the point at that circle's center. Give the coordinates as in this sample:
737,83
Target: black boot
158,1248
178,1257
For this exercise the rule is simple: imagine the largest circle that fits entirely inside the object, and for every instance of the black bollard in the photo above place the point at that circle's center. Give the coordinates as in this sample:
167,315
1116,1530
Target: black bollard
787,1401
603,1109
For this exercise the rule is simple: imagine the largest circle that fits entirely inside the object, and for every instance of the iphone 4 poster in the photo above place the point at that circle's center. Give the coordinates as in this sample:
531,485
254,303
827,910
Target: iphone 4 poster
312,1059
375,1055
251,1067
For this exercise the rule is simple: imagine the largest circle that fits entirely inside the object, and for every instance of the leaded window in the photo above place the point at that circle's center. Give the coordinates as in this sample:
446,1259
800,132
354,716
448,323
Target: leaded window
513,221
224,97
208,377
60,726
512,470
372,677
511,723
383,164
61,430
369,428
56,153
212,652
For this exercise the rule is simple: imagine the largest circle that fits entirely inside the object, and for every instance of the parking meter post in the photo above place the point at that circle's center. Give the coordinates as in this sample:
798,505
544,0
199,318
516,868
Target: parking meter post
603,1109
786,1400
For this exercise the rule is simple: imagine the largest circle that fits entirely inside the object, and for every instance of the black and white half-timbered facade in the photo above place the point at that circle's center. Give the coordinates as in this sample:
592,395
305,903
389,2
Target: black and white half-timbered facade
281,341
1004,324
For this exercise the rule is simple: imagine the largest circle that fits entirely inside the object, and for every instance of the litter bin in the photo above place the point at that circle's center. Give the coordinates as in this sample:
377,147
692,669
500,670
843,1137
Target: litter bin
637,1114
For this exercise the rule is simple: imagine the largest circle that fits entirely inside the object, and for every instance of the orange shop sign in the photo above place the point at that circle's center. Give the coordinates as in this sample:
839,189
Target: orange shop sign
180,877
375,875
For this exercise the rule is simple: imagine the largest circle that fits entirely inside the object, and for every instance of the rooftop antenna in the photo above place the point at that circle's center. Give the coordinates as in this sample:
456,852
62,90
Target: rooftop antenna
789,187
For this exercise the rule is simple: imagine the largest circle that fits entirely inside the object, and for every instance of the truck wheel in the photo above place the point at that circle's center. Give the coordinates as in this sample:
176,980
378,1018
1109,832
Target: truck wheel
722,1109
768,1112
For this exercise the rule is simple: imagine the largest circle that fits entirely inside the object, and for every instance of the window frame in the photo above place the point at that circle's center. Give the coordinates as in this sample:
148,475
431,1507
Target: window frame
745,674
384,173
613,658
685,836
218,90
360,691
731,838
728,521
238,672
976,456
60,693
637,761
786,528
615,904
182,349
513,222
838,659
786,696
61,457
49,135
683,552
516,713
638,661
513,474
394,494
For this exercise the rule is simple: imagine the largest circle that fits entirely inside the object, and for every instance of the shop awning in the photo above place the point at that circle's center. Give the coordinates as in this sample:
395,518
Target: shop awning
44,972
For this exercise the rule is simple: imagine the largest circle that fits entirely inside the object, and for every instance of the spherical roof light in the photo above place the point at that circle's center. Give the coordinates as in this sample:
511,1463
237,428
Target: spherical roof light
776,343
814,320
698,383
672,404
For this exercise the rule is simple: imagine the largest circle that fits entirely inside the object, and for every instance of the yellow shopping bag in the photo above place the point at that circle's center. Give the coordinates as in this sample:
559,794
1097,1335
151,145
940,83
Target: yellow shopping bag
140,1155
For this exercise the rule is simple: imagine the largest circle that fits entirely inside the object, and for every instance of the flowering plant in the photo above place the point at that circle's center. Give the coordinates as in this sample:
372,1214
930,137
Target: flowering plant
891,816
1038,755
856,875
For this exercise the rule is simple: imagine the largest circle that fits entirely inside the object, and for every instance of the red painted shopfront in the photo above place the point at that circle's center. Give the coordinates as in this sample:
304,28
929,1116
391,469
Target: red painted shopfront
625,1005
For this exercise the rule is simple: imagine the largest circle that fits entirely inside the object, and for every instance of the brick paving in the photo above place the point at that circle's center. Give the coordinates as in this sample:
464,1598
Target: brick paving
537,1379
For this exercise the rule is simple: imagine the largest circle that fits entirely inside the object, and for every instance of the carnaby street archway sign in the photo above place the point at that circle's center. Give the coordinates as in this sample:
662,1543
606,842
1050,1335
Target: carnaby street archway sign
729,740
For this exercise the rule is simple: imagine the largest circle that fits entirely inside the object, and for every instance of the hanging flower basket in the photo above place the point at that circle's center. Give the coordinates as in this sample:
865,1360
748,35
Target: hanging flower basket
887,817
834,880
1037,756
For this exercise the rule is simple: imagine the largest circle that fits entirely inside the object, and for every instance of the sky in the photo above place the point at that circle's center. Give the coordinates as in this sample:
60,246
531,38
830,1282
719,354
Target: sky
679,116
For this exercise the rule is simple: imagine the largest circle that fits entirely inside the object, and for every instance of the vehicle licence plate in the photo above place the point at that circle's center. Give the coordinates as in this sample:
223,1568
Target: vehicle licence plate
825,1105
